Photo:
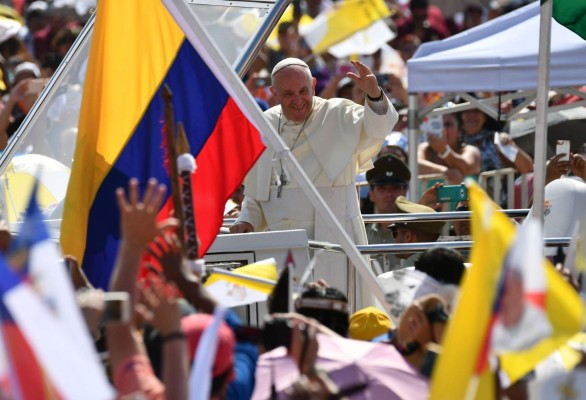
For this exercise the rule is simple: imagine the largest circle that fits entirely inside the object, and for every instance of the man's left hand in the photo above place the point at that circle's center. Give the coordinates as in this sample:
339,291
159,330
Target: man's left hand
365,79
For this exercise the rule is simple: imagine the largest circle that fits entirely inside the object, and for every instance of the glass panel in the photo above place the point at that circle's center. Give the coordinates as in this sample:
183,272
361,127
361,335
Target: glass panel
43,147
231,28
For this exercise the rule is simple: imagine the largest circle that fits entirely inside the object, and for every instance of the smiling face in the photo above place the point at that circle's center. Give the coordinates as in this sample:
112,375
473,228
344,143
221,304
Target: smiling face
473,121
294,87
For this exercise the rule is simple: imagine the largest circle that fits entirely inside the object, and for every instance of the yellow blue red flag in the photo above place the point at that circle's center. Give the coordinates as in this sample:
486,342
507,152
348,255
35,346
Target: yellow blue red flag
137,47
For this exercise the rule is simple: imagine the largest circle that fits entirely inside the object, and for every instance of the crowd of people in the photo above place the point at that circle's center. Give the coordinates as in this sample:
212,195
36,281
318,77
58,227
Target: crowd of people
36,36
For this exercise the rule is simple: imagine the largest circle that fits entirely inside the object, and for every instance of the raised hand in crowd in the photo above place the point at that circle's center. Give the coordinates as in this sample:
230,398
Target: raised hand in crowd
555,168
159,307
138,226
578,166
429,197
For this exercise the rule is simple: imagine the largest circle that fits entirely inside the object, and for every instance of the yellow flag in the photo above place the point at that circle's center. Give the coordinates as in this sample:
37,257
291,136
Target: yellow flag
565,312
341,21
265,270
467,343
457,370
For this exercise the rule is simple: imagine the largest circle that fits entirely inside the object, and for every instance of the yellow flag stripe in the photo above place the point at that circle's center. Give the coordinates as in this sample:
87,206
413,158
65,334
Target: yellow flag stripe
133,46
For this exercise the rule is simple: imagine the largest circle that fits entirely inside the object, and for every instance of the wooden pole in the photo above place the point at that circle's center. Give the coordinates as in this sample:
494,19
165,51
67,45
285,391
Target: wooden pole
172,155
186,168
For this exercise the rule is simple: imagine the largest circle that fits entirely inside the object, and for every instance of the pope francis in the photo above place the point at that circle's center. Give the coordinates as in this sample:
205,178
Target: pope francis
333,140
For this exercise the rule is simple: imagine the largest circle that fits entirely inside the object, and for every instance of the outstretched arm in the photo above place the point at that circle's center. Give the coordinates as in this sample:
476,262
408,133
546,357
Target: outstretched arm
138,227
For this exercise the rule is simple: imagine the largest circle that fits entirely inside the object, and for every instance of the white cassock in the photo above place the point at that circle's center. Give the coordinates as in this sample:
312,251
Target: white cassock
337,141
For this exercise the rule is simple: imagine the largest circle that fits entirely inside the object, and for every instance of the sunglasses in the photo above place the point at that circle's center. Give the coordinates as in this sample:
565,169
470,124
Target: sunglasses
396,228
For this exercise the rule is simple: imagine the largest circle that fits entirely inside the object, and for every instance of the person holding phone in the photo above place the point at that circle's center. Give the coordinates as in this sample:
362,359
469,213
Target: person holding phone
447,154
476,132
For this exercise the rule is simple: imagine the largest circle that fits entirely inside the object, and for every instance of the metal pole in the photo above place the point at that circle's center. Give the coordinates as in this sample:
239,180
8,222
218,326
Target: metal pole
255,43
542,105
413,136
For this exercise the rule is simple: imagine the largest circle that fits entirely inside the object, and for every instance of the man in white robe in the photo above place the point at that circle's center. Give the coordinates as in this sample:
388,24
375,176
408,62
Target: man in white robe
333,140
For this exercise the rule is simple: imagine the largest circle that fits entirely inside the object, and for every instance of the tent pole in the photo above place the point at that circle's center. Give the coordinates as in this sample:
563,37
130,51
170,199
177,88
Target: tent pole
413,142
542,106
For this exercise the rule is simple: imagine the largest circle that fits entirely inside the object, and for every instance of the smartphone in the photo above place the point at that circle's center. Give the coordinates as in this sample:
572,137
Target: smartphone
563,147
452,193
433,125
36,86
116,307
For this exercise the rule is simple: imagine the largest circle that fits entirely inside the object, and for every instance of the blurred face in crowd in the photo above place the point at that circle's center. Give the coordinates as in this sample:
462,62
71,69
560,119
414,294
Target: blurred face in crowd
294,87
472,121
395,151
451,130
512,303
384,196
419,14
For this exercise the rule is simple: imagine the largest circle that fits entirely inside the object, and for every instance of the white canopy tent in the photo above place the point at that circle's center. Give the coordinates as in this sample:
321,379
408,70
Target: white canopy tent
500,55
497,56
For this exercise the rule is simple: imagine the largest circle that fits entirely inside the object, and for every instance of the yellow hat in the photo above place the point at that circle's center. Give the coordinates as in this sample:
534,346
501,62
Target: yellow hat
368,323
405,206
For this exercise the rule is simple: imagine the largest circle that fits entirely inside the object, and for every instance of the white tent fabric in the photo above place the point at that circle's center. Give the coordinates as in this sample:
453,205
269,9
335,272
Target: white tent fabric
497,56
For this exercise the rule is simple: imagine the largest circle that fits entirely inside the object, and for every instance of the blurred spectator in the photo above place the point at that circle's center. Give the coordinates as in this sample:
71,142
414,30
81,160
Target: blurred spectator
396,145
422,324
18,103
327,305
444,265
426,22
387,180
473,15
37,20
447,154
368,323
407,46
63,40
413,232
477,133
288,39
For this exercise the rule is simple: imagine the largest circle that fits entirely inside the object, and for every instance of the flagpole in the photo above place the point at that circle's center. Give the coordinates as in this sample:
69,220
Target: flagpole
542,108
202,42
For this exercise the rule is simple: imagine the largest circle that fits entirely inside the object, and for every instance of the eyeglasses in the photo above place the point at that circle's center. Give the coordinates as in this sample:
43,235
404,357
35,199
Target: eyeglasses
396,228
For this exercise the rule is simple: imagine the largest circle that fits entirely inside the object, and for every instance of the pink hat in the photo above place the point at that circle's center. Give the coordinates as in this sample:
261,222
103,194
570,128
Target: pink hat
194,325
